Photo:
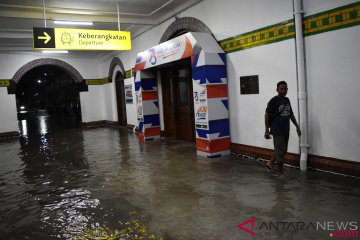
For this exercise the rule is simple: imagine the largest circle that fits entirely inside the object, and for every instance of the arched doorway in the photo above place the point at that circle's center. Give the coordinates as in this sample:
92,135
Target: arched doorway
176,84
120,99
177,100
47,96
117,72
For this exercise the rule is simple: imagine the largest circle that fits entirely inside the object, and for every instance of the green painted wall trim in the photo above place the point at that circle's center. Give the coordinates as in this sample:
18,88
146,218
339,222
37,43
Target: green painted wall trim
129,73
4,82
270,34
97,81
334,19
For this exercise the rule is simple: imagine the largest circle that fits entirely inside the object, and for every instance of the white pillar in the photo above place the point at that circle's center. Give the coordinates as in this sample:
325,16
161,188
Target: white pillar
301,78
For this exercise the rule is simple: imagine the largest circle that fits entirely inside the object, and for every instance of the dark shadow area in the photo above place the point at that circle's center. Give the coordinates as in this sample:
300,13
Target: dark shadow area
47,98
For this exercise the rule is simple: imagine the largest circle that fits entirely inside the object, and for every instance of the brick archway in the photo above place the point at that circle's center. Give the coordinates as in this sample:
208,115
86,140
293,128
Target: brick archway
75,75
117,76
183,25
116,61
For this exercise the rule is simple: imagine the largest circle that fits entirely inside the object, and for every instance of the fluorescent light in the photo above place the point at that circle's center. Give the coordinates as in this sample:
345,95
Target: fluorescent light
66,22
55,51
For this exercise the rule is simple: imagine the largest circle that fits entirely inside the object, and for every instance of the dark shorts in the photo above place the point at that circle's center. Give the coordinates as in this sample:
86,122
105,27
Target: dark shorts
280,146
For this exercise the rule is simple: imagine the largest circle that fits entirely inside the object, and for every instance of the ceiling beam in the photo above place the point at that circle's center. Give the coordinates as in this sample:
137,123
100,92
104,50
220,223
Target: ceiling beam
81,11
105,18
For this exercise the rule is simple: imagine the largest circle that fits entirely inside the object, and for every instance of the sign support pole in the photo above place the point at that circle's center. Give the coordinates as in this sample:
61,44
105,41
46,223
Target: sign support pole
44,13
118,14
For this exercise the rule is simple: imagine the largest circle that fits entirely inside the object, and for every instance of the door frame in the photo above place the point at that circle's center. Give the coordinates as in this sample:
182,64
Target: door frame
173,121
120,99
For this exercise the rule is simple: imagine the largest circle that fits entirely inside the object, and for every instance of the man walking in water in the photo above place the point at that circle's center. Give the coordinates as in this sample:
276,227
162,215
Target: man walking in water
277,117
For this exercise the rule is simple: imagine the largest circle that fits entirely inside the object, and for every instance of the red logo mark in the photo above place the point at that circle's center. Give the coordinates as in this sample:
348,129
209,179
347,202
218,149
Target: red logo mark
252,222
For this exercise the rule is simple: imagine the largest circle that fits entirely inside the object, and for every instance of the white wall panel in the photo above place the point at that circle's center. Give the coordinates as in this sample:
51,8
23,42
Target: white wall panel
131,107
273,63
92,104
110,105
333,84
8,112
316,6
232,17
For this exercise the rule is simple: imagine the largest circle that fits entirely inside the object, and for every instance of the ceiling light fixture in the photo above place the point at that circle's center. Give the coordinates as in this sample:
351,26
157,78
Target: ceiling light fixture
55,51
67,22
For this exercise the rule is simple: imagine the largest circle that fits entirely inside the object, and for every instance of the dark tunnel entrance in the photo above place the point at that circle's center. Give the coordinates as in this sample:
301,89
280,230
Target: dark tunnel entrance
47,99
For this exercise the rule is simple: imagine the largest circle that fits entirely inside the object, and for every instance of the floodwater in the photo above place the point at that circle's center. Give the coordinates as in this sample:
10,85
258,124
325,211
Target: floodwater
74,183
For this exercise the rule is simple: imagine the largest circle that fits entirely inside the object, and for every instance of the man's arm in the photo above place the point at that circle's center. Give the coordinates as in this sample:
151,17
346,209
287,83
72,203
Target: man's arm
293,119
269,109
267,133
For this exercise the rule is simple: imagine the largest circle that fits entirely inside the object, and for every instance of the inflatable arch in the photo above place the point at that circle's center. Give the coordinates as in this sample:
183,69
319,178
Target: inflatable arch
209,90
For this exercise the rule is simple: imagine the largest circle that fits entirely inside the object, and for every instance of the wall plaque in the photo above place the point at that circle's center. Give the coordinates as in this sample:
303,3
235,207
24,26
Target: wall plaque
249,84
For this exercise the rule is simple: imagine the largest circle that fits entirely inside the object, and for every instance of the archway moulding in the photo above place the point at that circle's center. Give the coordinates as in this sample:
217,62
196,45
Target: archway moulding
116,62
184,25
75,75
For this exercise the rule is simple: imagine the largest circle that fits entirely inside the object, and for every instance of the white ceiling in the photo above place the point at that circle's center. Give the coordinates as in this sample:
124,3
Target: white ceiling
18,17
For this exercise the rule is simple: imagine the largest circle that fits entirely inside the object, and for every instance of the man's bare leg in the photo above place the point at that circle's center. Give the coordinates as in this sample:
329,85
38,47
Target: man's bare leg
281,172
270,163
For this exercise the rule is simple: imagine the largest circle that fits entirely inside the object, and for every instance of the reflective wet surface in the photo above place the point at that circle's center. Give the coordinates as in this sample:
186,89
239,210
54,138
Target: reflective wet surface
74,183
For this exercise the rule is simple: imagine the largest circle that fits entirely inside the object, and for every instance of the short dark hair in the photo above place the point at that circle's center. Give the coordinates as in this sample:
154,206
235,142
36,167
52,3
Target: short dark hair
280,83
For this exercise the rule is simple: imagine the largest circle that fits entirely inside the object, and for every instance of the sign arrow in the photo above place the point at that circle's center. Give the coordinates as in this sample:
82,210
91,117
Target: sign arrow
44,38
47,37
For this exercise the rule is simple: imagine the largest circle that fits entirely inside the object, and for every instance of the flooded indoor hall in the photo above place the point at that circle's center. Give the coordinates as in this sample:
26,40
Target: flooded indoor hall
101,181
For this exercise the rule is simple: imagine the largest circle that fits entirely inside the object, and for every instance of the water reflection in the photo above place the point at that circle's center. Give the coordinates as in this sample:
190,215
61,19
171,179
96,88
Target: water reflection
70,213
23,128
54,168
43,124
65,196
37,125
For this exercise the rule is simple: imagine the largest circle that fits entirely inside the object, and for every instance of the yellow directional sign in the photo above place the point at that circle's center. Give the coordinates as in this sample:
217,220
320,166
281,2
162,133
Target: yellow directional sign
80,39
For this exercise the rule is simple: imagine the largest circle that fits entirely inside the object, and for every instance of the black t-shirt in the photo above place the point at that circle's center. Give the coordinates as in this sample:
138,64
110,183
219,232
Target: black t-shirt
279,110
